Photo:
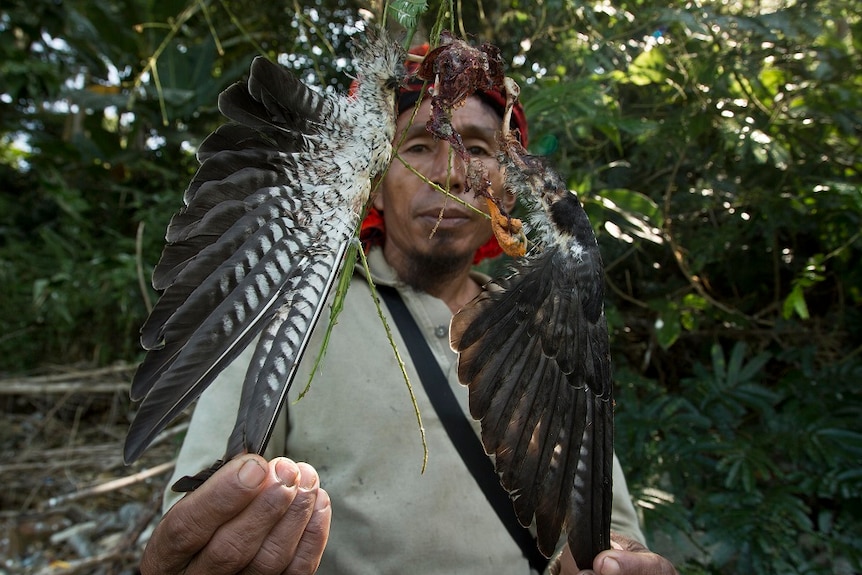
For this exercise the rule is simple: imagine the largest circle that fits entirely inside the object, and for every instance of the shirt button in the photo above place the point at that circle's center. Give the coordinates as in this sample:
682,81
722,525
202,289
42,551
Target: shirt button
441,331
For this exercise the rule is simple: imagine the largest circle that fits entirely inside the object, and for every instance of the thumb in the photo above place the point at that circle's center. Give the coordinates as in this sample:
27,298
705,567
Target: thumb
615,562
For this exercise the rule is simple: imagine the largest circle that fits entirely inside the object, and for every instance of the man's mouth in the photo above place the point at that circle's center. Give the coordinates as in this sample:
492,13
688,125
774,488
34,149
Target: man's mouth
445,218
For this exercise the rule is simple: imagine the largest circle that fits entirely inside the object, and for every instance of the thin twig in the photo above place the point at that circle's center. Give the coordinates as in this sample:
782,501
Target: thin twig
112,485
439,188
401,365
151,62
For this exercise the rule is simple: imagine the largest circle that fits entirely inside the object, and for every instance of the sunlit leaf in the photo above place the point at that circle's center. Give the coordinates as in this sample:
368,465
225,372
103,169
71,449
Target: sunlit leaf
639,215
795,303
407,12
647,68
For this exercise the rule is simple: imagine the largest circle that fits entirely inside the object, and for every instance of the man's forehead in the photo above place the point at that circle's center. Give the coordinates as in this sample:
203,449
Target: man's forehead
474,118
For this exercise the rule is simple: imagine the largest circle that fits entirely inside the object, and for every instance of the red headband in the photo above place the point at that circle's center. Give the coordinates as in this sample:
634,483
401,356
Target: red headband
372,232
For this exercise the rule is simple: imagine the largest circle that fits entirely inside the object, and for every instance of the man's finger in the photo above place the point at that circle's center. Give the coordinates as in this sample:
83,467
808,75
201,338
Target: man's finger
236,545
190,524
313,542
615,562
264,537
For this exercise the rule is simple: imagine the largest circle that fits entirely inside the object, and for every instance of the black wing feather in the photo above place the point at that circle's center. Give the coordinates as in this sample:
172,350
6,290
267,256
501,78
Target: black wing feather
539,380
222,278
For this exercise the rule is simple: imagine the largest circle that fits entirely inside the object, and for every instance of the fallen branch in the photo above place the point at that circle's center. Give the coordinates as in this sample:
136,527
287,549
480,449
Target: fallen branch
21,387
112,485
79,381
64,458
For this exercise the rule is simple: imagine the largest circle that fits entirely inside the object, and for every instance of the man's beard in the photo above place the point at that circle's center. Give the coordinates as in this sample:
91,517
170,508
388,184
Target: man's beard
427,271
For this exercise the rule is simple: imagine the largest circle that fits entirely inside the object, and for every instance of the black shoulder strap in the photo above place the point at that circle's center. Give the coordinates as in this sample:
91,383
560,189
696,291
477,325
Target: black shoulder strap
458,427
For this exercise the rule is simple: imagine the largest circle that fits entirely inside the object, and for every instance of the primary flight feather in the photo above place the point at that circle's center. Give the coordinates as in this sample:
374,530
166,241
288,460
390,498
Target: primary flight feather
533,350
261,240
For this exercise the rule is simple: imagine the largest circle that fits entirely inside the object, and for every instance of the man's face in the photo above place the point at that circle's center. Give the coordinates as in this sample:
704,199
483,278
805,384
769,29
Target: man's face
420,221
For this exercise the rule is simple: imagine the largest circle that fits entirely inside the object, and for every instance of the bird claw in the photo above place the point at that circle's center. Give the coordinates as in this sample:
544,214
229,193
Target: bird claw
508,230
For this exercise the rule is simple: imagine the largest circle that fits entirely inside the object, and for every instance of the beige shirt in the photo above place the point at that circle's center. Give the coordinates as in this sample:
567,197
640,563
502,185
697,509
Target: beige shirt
357,427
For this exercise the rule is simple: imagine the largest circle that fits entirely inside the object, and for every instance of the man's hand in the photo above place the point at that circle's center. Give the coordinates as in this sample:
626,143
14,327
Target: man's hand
625,557
252,516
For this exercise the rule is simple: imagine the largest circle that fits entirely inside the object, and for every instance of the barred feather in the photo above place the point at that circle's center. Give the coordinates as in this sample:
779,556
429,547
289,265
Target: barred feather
261,238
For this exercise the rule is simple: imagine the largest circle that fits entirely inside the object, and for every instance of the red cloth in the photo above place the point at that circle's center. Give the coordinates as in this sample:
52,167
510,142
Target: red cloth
373,232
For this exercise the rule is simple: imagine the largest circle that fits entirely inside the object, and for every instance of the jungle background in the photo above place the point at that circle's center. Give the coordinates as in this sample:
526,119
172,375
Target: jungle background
716,146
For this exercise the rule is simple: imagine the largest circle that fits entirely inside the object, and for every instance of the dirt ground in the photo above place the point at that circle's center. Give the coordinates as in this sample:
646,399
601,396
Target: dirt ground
68,503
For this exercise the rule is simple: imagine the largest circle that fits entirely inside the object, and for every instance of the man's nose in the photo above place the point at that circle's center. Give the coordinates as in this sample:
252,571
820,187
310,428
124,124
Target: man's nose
448,170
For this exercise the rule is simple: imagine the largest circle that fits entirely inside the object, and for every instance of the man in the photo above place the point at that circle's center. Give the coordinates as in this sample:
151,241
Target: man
357,424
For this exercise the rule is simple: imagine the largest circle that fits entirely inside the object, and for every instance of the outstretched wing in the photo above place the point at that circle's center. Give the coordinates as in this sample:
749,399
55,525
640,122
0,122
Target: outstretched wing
240,248
534,354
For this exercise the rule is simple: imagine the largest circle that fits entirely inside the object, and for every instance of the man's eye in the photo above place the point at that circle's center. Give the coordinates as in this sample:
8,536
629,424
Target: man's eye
478,151
416,149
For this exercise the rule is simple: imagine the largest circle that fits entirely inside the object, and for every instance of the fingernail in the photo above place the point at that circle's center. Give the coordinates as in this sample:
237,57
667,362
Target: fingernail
610,566
322,501
286,473
251,474
307,481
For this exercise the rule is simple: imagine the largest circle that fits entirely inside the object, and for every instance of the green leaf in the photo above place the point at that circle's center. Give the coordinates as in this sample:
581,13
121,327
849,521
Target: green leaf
647,68
407,12
638,215
848,439
667,325
753,366
795,303
737,354
185,76
635,204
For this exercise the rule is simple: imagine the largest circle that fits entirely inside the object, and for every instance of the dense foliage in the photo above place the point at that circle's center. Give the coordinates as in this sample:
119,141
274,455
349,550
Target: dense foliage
715,145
